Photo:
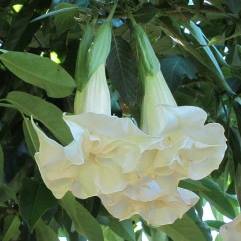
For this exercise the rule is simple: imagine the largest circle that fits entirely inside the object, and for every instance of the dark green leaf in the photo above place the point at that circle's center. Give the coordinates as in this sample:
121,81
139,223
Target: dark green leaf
234,5
6,194
84,223
39,71
176,68
146,13
44,232
123,228
12,231
110,235
223,202
56,12
122,71
47,113
214,224
35,200
65,21
188,228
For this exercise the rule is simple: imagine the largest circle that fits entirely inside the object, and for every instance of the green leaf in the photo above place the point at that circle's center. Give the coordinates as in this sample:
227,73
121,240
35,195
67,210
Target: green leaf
211,191
12,230
84,223
234,5
215,224
65,21
122,70
44,232
45,112
6,193
146,13
188,228
123,228
109,235
41,72
56,12
35,200
176,68
212,62
1,165
157,235
19,26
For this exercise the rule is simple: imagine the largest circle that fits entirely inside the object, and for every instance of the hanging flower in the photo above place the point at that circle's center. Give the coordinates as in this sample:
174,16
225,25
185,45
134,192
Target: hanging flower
189,148
186,148
231,231
105,147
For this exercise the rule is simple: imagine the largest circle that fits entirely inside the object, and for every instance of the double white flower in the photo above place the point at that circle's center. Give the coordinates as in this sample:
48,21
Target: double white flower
186,148
104,148
133,171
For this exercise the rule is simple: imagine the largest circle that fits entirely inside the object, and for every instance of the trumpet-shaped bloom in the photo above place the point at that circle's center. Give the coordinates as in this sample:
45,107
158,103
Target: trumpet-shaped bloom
160,210
231,231
188,147
104,149
95,97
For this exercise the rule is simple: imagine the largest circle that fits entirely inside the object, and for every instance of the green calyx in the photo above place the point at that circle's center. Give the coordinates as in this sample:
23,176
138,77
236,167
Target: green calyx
148,62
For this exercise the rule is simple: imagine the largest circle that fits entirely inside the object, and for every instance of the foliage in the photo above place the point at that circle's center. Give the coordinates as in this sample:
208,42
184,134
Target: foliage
199,48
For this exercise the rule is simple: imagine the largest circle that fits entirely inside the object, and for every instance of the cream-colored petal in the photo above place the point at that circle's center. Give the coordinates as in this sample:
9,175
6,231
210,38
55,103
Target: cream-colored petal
167,211
97,178
232,231
54,163
160,211
189,148
103,125
58,184
148,189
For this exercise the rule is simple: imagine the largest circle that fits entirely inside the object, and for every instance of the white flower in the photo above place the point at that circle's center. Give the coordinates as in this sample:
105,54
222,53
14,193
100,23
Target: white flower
188,147
104,149
232,231
157,211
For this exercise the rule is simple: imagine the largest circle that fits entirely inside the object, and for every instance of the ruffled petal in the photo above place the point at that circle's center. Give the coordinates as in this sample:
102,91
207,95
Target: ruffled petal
94,179
106,126
189,148
160,211
55,163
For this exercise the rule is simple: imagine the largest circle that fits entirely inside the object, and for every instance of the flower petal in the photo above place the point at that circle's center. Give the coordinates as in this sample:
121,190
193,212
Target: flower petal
94,179
158,212
103,125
